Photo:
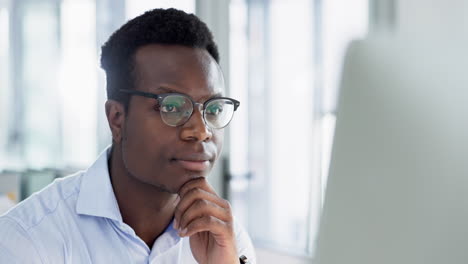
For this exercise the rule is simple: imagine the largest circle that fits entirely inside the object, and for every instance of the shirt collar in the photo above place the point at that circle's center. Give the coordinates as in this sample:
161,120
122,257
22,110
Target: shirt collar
96,196
166,240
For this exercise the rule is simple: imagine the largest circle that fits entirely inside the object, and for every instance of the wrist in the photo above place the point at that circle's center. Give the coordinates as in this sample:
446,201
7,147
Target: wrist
235,260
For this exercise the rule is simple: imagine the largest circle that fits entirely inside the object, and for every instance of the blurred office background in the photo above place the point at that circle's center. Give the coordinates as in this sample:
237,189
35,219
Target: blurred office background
282,60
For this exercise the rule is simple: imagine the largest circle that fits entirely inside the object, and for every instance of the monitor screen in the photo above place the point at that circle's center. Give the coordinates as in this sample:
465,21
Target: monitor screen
397,191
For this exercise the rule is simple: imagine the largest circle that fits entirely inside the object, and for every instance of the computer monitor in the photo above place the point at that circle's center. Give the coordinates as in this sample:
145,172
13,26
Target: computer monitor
397,191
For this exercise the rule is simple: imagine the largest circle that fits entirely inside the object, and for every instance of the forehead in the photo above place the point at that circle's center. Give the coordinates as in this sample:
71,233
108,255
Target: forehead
187,70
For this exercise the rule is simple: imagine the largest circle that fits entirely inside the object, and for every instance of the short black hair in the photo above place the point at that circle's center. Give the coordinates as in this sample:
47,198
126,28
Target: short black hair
157,26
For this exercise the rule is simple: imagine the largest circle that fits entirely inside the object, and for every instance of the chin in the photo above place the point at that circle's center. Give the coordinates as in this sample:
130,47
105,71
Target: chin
170,187
163,188
187,176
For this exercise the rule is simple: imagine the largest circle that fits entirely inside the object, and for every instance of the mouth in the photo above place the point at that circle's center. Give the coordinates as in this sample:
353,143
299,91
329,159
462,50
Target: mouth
193,165
193,161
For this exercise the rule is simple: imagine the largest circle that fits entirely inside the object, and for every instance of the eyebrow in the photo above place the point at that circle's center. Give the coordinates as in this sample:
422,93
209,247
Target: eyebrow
164,89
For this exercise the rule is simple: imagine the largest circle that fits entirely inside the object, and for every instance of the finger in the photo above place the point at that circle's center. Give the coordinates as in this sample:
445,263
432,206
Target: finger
201,183
202,208
193,195
222,231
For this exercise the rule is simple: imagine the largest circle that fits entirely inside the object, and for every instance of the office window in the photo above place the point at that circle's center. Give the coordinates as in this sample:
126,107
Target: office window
53,65
5,94
137,7
55,83
78,81
52,90
36,82
285,65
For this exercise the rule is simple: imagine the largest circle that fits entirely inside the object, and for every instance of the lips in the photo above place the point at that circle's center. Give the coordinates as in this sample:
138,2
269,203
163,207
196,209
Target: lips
191,165
194,161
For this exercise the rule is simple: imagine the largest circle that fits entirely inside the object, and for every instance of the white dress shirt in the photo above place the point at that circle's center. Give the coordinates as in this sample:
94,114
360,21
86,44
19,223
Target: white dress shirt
76,219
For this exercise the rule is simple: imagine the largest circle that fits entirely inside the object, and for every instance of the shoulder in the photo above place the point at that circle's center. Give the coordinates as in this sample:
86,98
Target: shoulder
20,228
40,205
15,244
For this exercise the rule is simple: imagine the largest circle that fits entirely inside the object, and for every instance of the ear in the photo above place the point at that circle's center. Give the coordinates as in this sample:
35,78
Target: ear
115,113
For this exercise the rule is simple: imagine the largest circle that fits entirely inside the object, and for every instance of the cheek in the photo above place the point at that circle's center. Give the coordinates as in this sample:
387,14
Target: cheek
218,139
145,142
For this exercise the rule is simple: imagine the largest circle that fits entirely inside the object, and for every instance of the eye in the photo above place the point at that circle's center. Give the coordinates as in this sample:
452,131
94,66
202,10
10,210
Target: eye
173,104
170,108
215,108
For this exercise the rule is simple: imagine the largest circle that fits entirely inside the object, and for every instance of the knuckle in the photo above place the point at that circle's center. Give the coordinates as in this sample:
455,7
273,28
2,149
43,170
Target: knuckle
227,205
194,192
202,203
210,220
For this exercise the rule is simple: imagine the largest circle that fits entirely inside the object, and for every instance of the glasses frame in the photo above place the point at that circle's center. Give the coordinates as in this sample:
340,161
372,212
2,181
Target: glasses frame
201,106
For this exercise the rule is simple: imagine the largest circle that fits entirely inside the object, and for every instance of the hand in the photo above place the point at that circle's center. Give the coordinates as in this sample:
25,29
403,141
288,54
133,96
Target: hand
207,219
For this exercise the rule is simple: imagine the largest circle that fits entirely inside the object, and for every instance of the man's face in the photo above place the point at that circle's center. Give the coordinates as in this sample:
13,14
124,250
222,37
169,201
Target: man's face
153,152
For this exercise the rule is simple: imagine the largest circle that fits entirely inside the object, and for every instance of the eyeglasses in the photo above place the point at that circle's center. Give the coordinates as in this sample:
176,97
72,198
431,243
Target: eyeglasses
176,109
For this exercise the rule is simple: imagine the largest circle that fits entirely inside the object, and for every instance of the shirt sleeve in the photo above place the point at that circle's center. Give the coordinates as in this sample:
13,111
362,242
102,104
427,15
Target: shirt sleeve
244,243
15,244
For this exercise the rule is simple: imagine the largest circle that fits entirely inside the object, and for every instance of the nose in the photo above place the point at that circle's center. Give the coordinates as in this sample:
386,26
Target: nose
195,129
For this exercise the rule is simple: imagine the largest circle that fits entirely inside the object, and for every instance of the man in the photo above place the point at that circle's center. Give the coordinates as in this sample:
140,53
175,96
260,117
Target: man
146,199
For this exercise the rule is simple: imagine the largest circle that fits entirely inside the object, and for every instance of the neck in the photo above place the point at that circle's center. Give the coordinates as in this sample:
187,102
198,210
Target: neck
145,208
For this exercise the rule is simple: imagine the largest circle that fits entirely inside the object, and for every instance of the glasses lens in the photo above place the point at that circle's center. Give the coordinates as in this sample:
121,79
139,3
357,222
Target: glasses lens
175,109
218,113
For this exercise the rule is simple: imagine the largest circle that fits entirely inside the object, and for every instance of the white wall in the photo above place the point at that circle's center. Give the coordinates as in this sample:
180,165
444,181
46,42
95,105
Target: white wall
432,16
